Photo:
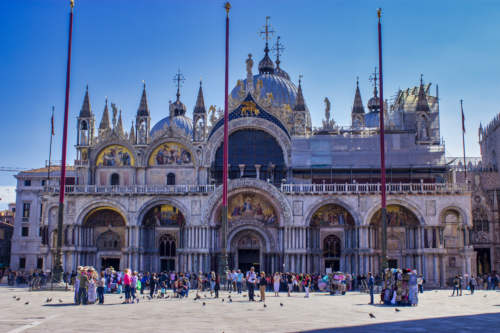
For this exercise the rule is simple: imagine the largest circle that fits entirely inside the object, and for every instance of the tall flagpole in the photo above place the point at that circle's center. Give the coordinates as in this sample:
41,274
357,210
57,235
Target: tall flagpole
224,262
463,138
50,145
382,146
58,269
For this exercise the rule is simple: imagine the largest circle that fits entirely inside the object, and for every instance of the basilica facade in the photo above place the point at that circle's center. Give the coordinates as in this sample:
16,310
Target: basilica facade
301,198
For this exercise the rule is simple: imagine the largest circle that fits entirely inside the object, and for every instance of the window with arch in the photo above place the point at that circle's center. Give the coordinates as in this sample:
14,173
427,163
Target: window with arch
480,220
109,240
115,179
167,246
171,179
331,247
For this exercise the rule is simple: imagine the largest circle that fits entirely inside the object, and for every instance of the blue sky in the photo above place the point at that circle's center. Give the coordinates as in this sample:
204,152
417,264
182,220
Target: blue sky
119,43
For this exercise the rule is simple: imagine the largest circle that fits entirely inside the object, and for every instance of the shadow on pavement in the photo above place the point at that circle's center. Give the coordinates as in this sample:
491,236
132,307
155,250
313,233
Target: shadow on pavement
483,323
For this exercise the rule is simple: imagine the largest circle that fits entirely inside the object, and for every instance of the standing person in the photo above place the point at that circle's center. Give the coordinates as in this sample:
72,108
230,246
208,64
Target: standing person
276,283
289,280
307,285
82,289
127,281
251,278
472,284
153,284
461,282
262,286
212,282
101,282
371,284
239,281
420,283
133,286
92,288
77,285
456,285
217,285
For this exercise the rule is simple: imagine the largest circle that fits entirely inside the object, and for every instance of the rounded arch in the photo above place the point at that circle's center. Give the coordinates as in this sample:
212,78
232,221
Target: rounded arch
104,216
408,205
334,201
462,215
397,216
270,192
235,125
146,207
157,145
102,204
267,239
119,154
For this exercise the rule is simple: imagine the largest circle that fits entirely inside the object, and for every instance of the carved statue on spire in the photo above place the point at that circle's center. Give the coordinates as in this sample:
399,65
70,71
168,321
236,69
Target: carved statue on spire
327,109
249,63
115,112
213,116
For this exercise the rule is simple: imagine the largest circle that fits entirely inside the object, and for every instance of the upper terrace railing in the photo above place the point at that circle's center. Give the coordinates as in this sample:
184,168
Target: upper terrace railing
133,189
347,188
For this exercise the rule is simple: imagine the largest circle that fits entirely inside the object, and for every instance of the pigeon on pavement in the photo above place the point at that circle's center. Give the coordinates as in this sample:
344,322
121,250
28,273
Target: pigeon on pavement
397,310
371,315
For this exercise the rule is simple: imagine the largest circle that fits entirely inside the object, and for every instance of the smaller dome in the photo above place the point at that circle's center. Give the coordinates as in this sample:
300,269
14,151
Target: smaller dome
182,122
266,65
374,103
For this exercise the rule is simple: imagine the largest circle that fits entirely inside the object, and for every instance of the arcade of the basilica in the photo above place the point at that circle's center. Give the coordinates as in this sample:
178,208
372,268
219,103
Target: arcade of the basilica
301,199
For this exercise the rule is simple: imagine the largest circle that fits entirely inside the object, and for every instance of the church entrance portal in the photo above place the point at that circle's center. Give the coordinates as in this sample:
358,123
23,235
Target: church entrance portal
110,262
248,258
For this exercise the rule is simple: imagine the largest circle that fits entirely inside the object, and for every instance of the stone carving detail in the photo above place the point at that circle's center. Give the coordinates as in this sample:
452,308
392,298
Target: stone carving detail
298,208
196,207
430,207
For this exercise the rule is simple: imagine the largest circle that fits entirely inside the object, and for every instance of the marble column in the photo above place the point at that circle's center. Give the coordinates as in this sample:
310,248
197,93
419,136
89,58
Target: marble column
242,170
257,171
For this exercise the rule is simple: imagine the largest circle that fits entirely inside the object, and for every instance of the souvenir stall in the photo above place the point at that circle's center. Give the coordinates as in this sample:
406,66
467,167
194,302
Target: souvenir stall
399,287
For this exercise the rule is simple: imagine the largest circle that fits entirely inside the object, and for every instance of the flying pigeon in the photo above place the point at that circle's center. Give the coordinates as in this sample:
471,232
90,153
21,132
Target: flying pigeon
371,315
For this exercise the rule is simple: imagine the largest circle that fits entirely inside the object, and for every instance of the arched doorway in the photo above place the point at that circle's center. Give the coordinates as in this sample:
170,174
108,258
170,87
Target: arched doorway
402,236
247,250
161,227
328,226
103,229
331,252
167,252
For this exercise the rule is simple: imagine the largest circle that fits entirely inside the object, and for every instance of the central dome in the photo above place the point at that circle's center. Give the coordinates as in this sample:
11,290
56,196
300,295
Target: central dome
282,89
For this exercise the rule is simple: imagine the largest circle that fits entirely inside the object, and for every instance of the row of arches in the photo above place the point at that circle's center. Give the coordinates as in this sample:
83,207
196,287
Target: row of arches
115,179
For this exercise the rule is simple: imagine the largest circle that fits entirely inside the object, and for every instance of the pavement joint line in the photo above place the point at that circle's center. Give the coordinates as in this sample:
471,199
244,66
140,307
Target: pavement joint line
31,325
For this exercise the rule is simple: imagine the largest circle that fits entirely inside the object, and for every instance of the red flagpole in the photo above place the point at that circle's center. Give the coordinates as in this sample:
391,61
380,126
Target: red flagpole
58,270
224,262
463,138
382,146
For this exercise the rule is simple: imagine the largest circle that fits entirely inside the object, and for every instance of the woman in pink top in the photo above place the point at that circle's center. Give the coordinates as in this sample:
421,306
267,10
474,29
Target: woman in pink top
127,280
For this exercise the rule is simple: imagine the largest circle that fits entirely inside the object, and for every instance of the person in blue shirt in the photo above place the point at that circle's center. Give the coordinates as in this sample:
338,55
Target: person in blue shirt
371,285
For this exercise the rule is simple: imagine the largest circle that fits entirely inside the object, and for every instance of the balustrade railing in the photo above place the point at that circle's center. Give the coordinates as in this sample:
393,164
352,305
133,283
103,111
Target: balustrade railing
374,188
132,189
346,188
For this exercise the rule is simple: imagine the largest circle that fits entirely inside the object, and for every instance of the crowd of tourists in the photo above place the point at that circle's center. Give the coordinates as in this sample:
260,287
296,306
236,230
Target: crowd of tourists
397,287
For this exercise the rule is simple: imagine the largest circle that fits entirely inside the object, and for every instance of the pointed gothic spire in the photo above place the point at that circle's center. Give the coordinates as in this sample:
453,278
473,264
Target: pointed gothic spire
143,109
422,104
200,102
104,125
119,126
300,104
86,111
131,136
357,106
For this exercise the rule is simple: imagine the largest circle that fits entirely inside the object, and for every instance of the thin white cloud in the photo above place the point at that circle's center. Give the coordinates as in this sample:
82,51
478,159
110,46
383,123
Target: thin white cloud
7,196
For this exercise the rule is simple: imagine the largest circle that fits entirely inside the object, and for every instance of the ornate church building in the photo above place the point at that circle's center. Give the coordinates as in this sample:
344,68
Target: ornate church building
301,199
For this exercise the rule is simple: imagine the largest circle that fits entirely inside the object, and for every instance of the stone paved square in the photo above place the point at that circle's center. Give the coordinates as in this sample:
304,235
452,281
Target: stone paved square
436,312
